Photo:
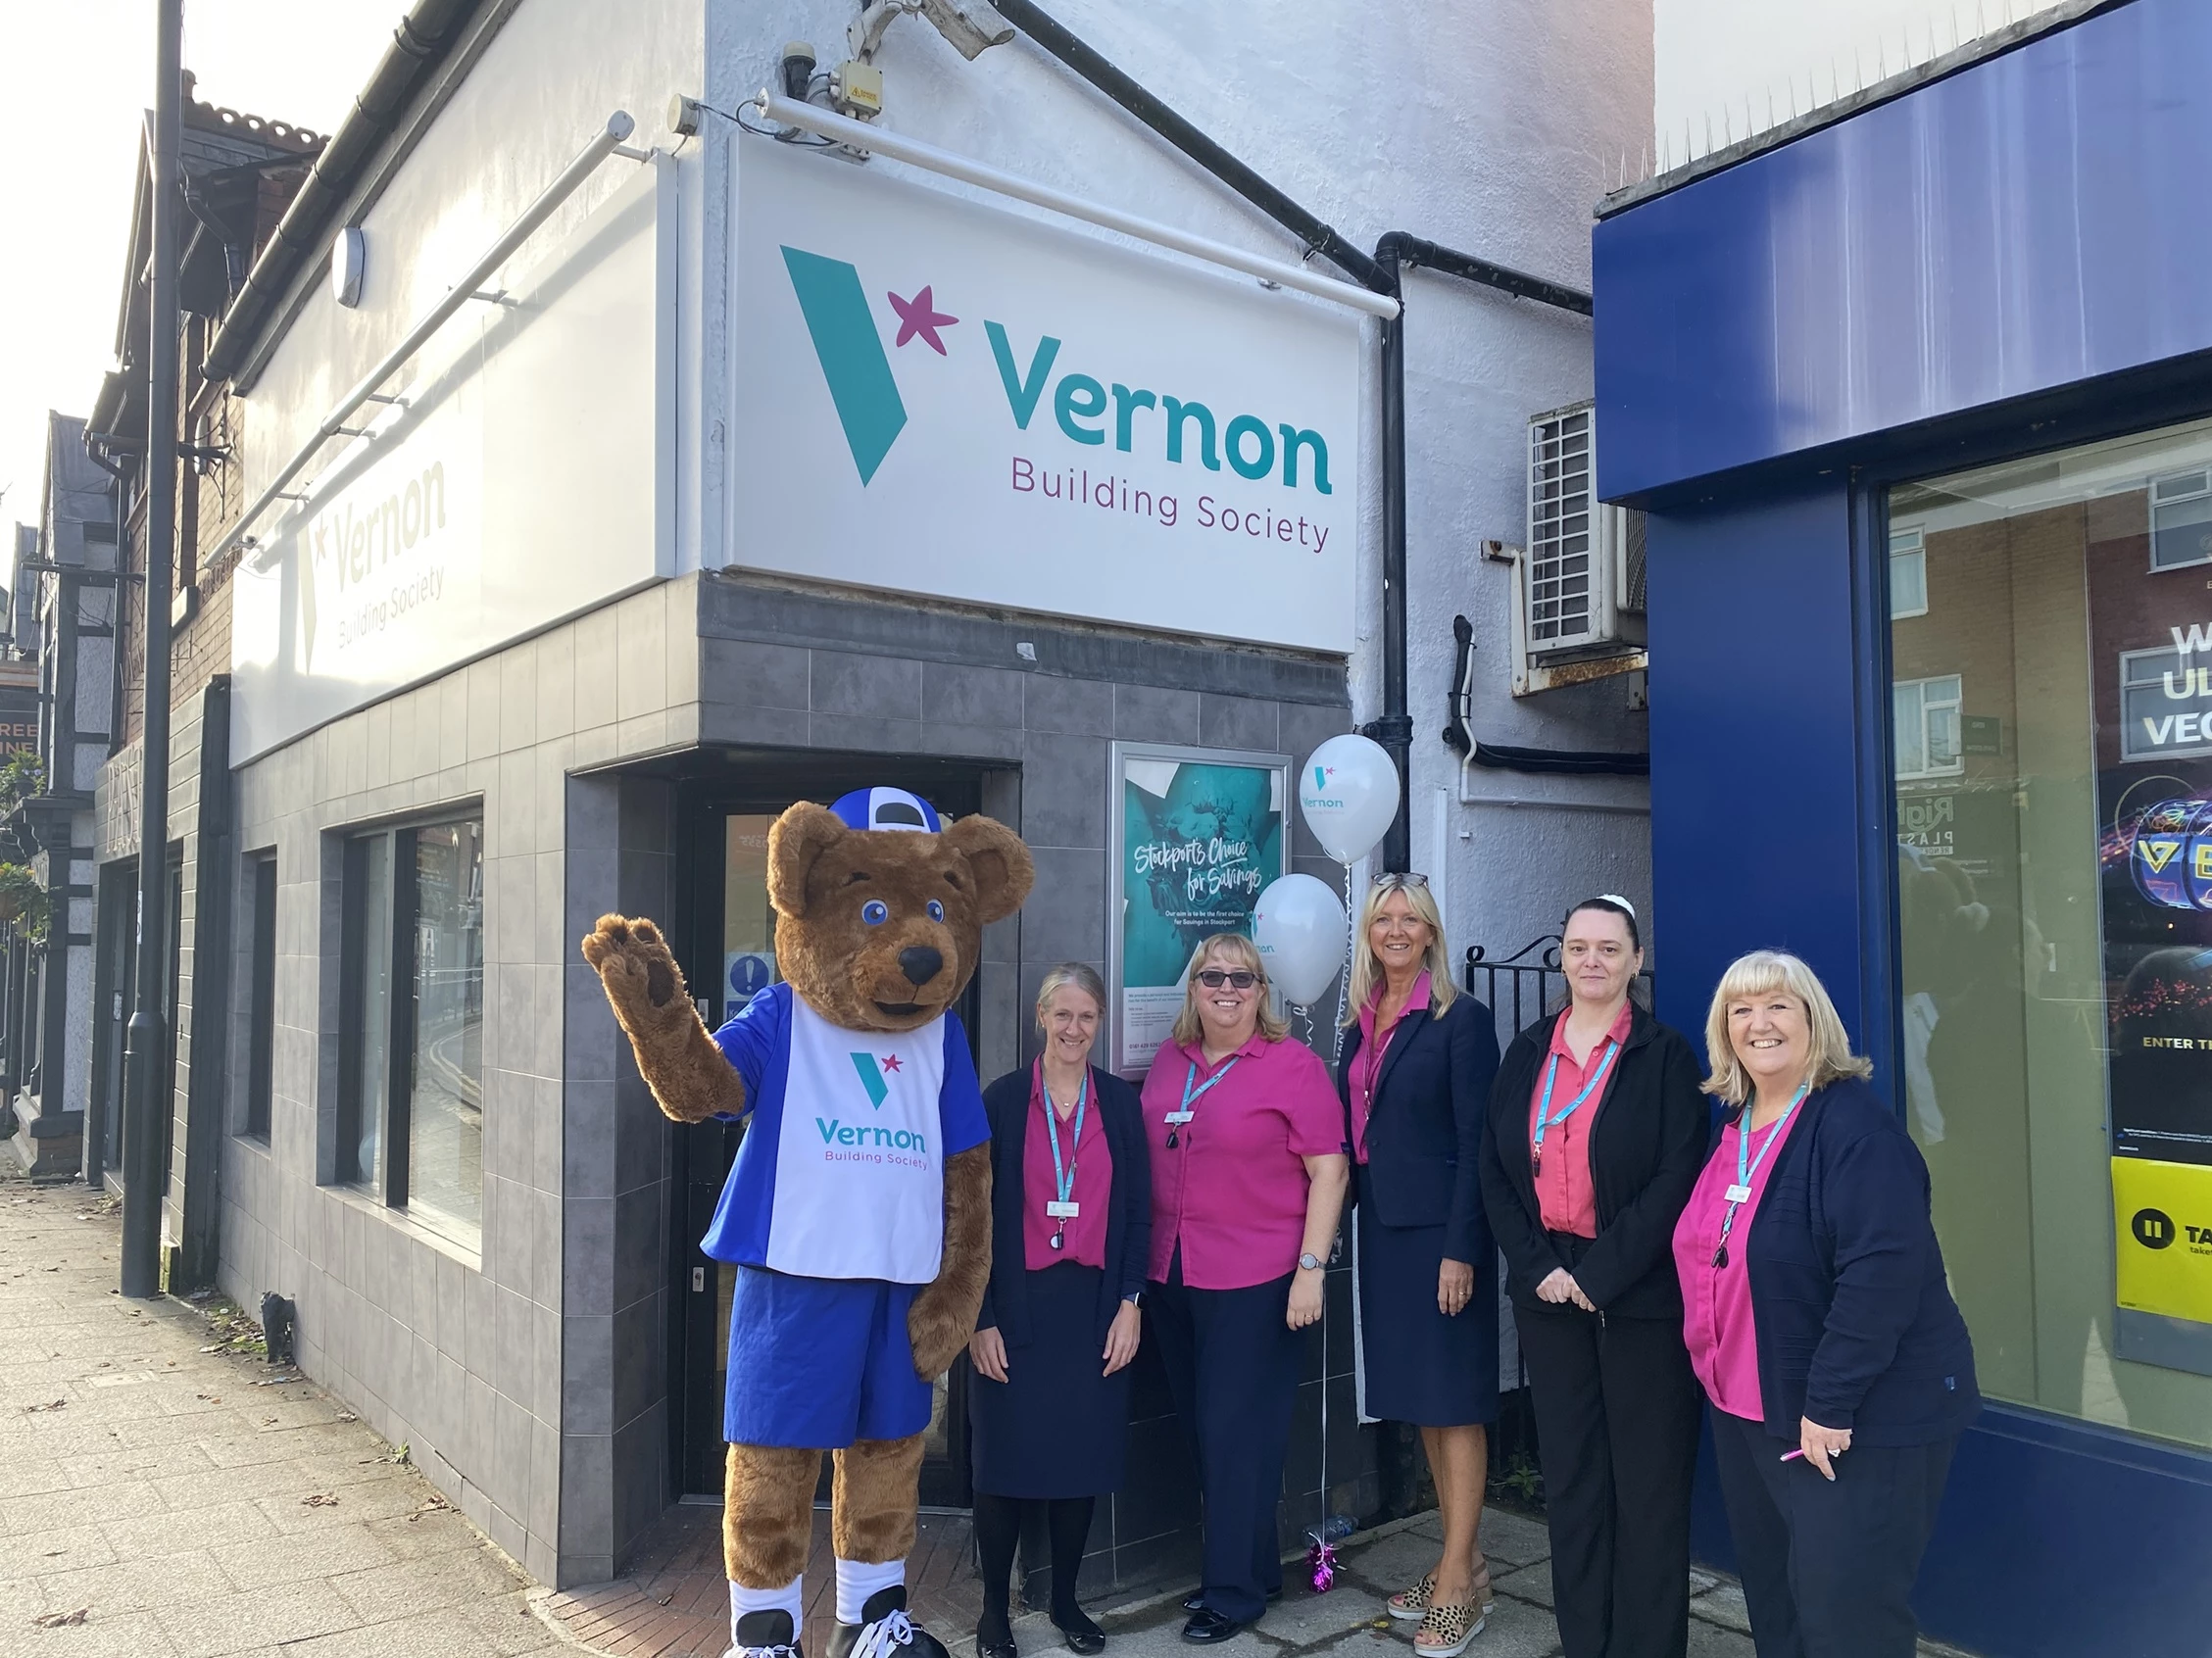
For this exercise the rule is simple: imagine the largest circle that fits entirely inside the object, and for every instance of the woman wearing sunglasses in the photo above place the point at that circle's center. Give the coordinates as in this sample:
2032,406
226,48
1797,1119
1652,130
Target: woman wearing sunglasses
1249,1174
1597,1133
1415,1074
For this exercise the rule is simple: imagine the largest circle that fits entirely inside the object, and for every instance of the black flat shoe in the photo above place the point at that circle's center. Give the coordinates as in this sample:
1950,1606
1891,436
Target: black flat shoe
1078,1632
992,1639
1208,1628
1193,1601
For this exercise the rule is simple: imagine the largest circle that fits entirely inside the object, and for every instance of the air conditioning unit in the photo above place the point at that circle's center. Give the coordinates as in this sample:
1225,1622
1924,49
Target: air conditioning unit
1578,582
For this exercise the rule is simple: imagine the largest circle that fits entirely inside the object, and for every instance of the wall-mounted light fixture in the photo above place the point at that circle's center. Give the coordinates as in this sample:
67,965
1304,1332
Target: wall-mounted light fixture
349,260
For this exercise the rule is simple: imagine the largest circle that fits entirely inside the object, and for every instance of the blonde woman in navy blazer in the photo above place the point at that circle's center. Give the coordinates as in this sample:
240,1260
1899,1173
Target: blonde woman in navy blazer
1050,1406
1415,1075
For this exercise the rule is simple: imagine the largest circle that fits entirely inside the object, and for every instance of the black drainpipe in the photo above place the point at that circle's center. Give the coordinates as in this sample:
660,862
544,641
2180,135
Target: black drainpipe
1393,729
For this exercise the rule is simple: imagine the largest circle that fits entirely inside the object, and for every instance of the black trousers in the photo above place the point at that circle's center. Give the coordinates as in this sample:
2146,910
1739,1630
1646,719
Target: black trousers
1828,1567
1232,1364
1616,1429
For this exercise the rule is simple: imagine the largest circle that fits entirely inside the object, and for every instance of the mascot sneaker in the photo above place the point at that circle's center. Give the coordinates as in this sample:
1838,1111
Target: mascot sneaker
885,1631
765,1634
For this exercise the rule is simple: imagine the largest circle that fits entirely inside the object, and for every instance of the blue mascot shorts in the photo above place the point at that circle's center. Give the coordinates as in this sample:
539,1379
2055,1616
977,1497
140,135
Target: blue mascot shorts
821,1362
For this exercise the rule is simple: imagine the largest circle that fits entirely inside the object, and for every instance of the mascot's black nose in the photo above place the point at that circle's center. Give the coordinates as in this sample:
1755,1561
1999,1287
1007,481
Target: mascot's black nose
920,963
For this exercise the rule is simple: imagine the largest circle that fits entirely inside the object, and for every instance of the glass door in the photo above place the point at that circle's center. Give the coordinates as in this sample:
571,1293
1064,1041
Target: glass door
729,958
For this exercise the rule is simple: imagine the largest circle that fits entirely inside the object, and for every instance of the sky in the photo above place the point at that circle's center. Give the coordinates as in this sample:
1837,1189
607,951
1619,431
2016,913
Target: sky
76,78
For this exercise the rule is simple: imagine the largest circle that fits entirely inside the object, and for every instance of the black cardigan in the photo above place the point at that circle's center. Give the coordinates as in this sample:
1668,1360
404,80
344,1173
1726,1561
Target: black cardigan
1424,1133
1129,1223
1648,1143
1855,1323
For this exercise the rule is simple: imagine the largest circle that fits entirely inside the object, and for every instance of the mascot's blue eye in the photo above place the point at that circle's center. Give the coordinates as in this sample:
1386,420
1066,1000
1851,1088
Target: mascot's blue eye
936,910
874,913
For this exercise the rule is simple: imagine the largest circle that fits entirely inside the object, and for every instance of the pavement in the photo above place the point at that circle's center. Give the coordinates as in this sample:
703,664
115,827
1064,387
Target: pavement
166,1493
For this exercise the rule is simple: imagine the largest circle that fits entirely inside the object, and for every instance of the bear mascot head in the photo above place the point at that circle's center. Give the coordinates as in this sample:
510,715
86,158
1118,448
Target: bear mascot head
857,1211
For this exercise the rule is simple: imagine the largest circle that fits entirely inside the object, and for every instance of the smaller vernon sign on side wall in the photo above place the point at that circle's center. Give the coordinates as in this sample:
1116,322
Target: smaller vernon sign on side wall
526,475
936,396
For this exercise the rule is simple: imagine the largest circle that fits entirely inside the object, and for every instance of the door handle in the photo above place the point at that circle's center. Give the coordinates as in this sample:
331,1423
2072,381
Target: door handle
697,1281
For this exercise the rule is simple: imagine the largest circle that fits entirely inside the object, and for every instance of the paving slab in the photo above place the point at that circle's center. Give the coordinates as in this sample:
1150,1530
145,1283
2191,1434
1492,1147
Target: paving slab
159,1491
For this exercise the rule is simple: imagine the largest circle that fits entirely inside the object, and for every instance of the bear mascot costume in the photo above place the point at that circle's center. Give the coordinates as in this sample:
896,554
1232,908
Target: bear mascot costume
858,1210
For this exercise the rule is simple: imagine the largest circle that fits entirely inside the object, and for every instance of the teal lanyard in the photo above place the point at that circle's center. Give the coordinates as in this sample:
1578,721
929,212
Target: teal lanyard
1543,1117
1190,1094
1064,1178
1747,1166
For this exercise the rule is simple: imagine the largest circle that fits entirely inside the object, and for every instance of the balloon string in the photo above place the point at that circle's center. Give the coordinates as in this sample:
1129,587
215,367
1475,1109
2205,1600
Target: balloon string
1344,978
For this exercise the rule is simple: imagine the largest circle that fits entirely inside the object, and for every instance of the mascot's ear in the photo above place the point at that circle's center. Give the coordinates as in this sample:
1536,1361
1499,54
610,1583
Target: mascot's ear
998,859
796,841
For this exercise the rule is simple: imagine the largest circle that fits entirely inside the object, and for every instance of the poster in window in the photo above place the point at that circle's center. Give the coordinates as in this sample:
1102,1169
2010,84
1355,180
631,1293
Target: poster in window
2151,644
1195,835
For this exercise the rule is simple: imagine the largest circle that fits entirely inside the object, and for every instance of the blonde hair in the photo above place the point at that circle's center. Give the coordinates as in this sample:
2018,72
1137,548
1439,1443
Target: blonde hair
1075,975
1762,973
1367,972
1246,955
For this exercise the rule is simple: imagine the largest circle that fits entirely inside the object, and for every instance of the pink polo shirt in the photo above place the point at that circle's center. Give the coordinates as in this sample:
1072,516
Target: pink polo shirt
1367,1063
1716,1301
1231,1190
1565,1197
1093,1194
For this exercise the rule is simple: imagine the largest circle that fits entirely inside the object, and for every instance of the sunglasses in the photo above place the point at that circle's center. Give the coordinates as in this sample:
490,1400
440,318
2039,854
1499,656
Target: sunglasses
1401,878
1213,978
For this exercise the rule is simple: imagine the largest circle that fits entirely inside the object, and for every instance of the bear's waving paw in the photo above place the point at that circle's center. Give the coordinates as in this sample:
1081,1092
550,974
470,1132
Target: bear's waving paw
678,1059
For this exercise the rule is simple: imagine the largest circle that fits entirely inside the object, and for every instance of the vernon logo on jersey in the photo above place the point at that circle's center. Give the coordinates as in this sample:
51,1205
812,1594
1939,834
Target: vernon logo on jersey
871,1075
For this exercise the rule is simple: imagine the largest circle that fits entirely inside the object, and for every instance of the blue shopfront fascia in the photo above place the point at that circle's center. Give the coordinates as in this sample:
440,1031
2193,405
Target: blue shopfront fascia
1993,265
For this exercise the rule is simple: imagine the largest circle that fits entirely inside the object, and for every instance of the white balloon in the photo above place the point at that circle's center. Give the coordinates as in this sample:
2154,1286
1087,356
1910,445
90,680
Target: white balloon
1348,790
1301,929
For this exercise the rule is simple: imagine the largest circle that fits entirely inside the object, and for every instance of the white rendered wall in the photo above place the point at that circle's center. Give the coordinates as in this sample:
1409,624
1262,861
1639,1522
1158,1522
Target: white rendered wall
1489,129
1725,70
543,88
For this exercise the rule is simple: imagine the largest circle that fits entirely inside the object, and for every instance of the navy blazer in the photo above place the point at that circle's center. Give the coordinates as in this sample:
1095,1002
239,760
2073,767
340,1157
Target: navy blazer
1856,1322
1424,1133
1129,1222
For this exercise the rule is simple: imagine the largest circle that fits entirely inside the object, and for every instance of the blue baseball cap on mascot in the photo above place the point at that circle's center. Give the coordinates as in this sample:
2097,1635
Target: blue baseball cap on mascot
888,808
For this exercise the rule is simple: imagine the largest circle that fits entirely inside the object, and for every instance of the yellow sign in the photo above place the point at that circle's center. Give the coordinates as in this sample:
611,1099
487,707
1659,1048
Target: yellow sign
2164,1235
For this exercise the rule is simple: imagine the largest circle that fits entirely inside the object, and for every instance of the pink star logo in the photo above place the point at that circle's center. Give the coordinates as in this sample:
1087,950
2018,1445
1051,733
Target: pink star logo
890,1060
919,319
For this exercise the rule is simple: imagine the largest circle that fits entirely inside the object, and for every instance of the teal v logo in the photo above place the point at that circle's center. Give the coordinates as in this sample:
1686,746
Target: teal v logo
851,352
871,1077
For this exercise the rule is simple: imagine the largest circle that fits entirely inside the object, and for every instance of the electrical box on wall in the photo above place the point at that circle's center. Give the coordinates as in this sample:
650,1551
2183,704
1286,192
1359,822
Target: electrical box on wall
1578,582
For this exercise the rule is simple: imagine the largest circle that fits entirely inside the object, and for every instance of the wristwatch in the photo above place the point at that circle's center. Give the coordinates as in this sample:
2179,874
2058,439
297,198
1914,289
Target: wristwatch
1134,1298
1309,1262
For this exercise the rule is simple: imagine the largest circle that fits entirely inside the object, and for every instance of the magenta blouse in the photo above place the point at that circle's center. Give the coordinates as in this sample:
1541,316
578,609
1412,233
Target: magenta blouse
1716,1301
1093,1194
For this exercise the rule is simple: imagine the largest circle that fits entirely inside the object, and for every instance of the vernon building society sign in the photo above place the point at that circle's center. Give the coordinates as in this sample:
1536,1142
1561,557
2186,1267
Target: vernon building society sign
526,475
943,397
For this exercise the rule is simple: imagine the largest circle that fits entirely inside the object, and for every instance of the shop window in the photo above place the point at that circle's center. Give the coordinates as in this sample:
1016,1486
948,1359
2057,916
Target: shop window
261,983
2180,519
1908,574
410,1048
2054,908
1927,717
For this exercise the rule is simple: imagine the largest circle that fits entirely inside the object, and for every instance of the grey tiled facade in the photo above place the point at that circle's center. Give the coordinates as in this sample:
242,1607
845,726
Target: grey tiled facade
534,1381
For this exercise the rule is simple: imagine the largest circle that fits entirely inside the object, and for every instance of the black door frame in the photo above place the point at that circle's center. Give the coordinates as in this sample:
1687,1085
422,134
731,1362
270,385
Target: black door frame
764,785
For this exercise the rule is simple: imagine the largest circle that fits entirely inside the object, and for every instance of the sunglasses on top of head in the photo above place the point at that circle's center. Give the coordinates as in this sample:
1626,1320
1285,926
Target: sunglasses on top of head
1394,878
1213,978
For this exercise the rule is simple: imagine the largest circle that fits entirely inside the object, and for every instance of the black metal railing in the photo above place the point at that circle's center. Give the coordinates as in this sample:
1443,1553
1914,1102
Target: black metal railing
1521,988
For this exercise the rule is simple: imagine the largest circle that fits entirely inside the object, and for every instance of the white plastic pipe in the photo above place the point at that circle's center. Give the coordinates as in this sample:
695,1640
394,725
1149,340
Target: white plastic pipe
858,136
603,144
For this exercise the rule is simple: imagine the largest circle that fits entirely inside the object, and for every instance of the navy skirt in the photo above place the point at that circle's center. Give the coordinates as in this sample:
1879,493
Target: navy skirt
1057,1427
1422,1367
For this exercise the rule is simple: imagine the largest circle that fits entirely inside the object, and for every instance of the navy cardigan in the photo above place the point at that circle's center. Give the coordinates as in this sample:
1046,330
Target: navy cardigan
1424,1135
1856,1325
1129,1223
